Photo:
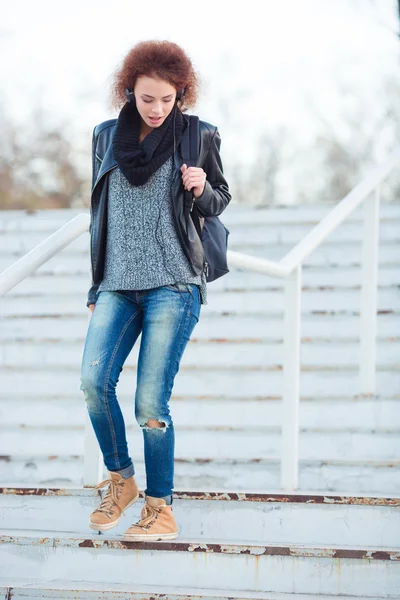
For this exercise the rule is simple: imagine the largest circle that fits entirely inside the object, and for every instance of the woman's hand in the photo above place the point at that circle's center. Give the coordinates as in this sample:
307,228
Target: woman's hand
91,307
193,178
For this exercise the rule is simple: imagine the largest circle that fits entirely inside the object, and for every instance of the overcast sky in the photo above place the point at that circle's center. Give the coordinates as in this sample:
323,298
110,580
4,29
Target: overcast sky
263,63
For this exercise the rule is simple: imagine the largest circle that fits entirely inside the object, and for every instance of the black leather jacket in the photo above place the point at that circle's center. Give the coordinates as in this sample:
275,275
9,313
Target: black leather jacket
212,201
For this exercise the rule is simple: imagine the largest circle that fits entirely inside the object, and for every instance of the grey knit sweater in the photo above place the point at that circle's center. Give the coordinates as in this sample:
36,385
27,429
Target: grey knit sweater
143,250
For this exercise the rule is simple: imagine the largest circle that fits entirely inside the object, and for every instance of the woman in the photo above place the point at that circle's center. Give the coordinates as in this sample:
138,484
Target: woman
148,271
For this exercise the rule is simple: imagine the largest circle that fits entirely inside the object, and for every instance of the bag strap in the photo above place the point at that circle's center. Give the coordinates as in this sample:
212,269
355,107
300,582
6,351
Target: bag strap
190,150
190,144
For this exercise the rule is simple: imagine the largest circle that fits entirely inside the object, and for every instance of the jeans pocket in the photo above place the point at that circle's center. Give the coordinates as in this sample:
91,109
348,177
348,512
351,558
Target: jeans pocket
173,286
184,289
180,287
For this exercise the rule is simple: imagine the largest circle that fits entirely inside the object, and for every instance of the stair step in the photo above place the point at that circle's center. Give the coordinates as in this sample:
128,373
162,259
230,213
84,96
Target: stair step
237,215
260,235
207,381
80,590
233,328
240,214
370,477
329,254
280,518
72,275
237,344
248,302
379,415
257,228
350,570
339,304
218,443
66,354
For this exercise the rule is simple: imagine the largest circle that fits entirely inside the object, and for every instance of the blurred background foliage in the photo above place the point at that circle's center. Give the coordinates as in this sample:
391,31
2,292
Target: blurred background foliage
45,159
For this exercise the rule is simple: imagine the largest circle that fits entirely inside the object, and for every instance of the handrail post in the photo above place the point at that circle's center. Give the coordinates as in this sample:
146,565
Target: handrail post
369,293
291,381
92,458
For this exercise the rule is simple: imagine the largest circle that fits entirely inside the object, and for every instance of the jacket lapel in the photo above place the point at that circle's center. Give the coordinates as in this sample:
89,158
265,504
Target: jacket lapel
109,161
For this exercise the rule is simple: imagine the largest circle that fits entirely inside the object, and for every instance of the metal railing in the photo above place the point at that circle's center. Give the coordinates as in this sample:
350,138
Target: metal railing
289,269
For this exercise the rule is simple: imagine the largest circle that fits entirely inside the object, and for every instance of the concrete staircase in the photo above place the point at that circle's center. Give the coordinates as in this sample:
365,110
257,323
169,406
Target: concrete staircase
338,537
226,403
267,546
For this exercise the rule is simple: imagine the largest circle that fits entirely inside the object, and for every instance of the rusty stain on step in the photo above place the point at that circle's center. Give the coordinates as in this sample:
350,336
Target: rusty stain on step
220,496
209,548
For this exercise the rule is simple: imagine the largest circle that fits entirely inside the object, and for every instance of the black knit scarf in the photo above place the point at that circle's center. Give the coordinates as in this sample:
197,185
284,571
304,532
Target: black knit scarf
138,160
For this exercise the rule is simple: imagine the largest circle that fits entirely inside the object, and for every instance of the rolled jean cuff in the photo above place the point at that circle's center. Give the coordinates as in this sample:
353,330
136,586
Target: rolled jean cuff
127,472
168,499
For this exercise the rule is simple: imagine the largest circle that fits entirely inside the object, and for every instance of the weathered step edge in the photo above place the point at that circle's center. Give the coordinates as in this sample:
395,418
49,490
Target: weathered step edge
380,463
92,591
362,500
189,546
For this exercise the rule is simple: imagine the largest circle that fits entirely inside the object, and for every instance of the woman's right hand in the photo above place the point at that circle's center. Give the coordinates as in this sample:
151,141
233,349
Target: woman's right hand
91,307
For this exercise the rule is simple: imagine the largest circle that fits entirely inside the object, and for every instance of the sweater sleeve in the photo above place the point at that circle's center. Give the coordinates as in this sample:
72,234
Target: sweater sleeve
215,197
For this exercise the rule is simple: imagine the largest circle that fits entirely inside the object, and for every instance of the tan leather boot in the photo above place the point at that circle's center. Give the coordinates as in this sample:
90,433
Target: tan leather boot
121,494
157,522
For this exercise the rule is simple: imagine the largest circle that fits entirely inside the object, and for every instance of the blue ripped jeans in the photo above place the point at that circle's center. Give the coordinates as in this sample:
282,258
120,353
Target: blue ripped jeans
166,317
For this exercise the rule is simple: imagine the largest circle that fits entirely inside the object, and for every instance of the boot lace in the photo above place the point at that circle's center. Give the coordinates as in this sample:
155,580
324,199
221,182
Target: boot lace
148,516
111,497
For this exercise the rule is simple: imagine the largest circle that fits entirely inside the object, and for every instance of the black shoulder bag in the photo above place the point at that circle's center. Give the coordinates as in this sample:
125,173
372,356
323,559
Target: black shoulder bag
212,232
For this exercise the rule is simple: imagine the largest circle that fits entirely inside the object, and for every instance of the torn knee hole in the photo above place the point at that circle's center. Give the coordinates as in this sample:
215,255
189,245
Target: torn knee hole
154,423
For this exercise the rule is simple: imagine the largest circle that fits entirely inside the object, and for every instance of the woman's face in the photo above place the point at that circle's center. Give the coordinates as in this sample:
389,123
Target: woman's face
154,99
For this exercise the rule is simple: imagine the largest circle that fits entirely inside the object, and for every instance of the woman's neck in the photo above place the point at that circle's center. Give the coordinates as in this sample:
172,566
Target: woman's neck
144,130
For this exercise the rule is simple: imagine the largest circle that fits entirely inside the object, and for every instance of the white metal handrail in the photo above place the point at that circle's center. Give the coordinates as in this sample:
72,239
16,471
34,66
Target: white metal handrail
290,269
39,255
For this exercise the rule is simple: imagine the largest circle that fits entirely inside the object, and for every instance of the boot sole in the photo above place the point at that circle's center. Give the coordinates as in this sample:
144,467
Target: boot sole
107,526
153,537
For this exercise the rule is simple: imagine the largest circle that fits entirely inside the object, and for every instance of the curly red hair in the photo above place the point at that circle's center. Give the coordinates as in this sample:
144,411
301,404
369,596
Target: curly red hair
157,58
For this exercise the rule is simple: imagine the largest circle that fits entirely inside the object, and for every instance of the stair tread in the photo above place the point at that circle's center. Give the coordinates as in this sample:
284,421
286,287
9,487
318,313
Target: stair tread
309,497
91,540
328,275
270,460
93,587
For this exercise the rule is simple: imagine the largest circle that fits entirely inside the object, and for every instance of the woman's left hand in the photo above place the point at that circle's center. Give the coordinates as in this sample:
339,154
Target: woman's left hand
193,178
